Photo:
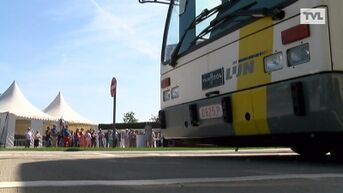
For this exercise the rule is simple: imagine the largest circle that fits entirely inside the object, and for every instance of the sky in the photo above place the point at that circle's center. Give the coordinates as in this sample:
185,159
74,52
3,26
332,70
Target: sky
76,46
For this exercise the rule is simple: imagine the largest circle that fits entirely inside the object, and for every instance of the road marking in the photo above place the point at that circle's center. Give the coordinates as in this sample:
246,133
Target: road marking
73,183
130,154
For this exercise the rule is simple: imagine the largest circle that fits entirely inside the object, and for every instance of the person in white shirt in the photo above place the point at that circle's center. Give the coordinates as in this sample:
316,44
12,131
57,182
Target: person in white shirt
28,137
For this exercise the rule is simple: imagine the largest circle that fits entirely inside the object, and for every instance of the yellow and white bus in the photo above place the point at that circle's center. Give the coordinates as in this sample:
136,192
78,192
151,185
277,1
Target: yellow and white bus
248,73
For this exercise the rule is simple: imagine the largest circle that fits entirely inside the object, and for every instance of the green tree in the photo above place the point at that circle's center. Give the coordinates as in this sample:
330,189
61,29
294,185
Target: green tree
129,117
154,119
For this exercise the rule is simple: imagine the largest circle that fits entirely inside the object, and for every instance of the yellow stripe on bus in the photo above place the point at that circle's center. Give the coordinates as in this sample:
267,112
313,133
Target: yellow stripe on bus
254,45
259,99
242,110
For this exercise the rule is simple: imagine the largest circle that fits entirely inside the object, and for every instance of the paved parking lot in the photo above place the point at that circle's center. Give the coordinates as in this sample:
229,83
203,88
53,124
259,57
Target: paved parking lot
272,170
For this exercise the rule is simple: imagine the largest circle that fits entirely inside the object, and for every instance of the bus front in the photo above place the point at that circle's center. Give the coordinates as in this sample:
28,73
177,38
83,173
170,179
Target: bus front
248,73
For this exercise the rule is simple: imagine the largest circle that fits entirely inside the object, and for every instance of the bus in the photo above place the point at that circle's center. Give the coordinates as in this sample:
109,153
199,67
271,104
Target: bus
253,73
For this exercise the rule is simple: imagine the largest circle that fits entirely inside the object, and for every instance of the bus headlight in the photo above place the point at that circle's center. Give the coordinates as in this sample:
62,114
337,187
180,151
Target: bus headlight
298,55
175,92
166,95
273,62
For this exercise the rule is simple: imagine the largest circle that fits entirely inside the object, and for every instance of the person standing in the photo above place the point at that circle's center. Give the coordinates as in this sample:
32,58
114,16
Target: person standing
47,137
82,141
93,138
101,138
126,138
66,136
88,139
110,138
158,140
76,137
54,134
116,138
132,137
148,136
122,139
106,138
28,136
60,139
36,139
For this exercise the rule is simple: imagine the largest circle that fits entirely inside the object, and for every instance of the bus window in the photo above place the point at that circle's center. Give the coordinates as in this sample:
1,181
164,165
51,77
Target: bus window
200,6
237,22
181,15
172,27
180,19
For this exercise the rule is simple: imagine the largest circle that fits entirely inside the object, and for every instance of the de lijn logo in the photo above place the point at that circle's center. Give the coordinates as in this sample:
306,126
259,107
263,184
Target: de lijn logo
312,16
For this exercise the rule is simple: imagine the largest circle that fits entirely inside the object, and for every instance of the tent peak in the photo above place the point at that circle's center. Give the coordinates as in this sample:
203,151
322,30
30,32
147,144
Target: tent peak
14,84
13,91
13,101
60,108
60,96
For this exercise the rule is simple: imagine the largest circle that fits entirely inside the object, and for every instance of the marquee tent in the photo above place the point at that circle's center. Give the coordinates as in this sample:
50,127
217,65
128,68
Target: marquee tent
16,114
60,109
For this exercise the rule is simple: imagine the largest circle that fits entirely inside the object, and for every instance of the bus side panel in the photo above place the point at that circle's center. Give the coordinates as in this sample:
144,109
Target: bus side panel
335,15
323,105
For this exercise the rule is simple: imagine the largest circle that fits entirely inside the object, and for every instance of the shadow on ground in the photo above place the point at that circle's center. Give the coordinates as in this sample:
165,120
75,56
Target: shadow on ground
171,167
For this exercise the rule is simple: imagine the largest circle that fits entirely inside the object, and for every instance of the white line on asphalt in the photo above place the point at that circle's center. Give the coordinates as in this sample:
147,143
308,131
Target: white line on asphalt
73,183
101,155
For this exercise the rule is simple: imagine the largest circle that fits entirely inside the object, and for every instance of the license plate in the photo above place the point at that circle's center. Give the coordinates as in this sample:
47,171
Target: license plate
211,111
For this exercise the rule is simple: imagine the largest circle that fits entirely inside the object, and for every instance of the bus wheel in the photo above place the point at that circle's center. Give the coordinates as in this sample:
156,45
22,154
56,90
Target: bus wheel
311,151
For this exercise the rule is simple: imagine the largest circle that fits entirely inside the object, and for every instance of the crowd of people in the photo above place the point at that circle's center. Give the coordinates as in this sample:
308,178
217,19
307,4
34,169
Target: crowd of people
66,137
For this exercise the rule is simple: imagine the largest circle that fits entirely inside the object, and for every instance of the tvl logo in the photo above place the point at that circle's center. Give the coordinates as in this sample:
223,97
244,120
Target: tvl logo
312,16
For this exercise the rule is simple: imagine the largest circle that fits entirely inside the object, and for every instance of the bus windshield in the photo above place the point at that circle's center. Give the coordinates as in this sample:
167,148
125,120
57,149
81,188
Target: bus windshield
188,25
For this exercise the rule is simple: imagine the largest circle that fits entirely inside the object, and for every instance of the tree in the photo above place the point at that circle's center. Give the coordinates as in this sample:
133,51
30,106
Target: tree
154,119
129,117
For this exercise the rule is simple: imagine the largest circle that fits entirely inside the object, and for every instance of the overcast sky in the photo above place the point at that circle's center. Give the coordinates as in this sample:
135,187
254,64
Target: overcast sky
76,47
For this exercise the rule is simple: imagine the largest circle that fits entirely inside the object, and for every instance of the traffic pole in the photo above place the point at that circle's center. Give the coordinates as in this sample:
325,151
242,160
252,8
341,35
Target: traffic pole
114,111
114,95
114,122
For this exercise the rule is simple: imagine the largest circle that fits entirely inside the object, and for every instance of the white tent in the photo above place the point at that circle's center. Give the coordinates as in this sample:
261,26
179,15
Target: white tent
60,109
14,106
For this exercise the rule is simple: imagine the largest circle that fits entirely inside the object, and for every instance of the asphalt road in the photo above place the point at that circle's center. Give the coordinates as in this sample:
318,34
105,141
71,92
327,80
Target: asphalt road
266,171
